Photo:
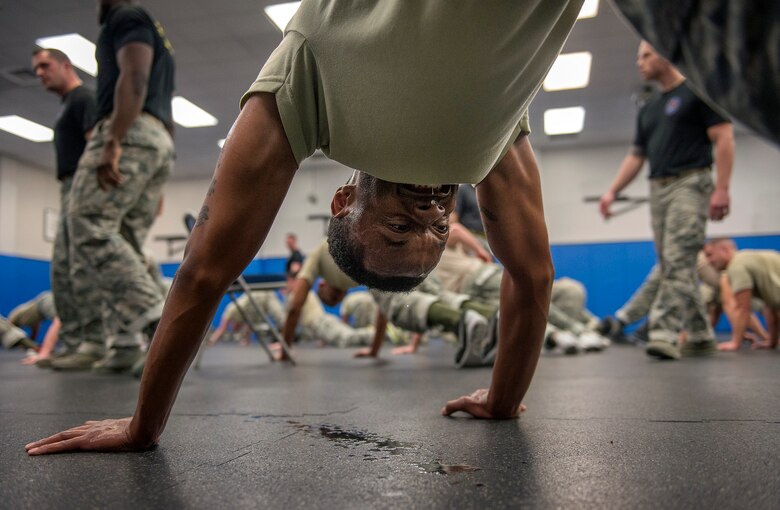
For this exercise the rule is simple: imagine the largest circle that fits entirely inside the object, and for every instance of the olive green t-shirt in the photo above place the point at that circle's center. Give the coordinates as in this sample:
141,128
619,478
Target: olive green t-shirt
312,310
758,270
413,91
319,263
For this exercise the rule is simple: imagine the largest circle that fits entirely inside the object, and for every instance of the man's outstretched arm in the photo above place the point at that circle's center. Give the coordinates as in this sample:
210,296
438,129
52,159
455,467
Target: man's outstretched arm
253,175
510,199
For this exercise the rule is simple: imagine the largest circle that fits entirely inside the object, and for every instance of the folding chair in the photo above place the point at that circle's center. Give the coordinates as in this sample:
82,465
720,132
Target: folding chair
246,284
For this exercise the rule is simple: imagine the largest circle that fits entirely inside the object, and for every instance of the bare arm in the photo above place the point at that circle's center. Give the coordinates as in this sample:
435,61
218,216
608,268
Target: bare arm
49,341
135,62
461,235
773,326
413,346
300,291
722,137
627,172
737,308
511,205
253,175
380,328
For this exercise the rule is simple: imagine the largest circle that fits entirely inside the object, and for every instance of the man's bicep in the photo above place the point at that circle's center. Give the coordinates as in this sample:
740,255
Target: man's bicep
253,175
510,199
743,299
135,57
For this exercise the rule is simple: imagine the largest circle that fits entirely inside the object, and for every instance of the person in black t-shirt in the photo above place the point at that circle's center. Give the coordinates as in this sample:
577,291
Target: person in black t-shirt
71,131
118,186
676,132
296,255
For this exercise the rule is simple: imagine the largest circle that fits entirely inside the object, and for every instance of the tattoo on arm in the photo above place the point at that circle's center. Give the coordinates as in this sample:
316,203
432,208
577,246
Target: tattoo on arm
202,216
211,188
488,214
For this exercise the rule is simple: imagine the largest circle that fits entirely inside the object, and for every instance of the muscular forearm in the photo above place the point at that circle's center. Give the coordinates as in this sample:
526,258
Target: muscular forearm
627,172
724,163
50,339
129,97
738,316
291,324
523,319
512,210
379,334
252,178
722,137
188,309
773,326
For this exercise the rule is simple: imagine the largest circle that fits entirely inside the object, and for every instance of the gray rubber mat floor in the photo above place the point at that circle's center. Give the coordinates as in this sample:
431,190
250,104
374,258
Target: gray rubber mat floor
610,430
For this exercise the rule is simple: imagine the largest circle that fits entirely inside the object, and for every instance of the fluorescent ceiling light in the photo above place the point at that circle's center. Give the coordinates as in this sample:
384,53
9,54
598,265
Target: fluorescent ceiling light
570,71
281,14
189,115
589,9
564,121
79,50
28,129
221,143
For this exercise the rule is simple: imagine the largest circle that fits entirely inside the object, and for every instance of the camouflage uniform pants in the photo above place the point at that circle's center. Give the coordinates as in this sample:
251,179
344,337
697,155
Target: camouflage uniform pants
728,49
35,311
567,307
266,300
484,284
9,334
679,214
108,228
638,307
360,307
408,311
81,315
333,331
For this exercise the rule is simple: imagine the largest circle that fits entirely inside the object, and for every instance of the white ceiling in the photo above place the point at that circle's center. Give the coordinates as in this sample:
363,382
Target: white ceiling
220,47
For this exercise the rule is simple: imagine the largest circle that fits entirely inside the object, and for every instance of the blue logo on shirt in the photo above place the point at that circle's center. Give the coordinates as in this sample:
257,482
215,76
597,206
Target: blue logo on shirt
672,105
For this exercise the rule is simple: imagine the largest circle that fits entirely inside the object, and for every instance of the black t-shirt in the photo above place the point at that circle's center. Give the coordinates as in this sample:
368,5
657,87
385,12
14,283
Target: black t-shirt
468,209
295,256
76,118
126,24
672,132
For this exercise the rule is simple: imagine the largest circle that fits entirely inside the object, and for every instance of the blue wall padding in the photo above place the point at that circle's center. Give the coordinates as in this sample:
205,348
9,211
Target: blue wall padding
21,279
610,271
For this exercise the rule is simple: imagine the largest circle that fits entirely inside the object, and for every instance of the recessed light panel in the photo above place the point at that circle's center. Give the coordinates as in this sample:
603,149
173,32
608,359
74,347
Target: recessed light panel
24,128
570,71
564,121
189,115
589,9
281,14
79,50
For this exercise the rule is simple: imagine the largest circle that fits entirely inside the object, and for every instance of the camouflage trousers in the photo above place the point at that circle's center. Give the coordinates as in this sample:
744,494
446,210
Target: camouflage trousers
567,307
407,310
81,315
9,333
265,300
679,215
484,284
334,332
108,228
359,308
638,307
728,49
35,311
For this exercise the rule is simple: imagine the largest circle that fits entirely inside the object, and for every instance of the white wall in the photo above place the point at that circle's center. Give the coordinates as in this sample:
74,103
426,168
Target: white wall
310,193
569,175
25,192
